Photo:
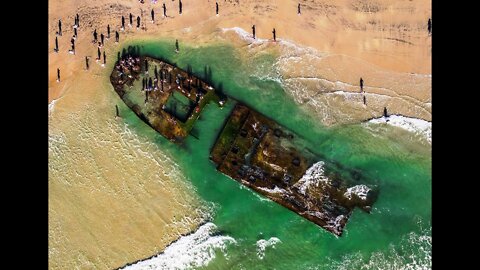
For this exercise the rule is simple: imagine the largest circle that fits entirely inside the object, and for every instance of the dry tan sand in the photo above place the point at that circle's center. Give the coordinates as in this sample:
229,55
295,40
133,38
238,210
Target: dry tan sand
104,209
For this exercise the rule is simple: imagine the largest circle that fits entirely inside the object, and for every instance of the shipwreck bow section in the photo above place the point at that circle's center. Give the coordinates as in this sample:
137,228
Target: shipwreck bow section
266,157
165,97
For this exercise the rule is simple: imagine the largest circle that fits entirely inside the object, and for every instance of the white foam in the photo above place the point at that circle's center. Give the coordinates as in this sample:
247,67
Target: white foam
285,43
51,106
414,125
336,225
352,96
313,176
360,190
414,252
262,244
274,190
191,251
245,35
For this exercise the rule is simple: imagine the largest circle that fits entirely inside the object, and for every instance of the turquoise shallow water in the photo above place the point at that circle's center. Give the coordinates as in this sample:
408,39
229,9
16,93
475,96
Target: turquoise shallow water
396,235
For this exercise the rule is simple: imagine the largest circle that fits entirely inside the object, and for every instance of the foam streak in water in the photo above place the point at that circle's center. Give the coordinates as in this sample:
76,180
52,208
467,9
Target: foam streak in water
262,244
413,253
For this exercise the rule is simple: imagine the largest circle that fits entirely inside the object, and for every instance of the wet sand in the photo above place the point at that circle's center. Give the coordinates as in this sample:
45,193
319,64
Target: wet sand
114,196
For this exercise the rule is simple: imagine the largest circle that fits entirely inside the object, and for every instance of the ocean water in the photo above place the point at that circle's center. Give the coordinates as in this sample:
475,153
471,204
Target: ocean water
247,231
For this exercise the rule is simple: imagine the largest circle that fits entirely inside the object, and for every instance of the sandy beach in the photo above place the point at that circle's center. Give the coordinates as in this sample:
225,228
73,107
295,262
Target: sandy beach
97,188
360,37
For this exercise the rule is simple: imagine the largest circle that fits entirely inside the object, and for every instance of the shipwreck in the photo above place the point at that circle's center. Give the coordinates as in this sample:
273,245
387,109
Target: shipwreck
251,148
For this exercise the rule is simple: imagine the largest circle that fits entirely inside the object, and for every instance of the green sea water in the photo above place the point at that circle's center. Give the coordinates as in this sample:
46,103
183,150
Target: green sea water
395,235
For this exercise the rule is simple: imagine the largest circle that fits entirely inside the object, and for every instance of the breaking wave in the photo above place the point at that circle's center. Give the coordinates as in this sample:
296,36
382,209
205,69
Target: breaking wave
417,126
51,106
190,251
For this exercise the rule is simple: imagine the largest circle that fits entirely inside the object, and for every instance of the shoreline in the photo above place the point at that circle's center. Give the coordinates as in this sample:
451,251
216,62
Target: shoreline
184,248
142,186
191,232
334,92
410,124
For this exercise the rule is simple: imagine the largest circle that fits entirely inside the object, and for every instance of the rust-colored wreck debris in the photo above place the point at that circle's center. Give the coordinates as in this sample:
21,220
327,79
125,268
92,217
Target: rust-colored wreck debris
262,155
163,83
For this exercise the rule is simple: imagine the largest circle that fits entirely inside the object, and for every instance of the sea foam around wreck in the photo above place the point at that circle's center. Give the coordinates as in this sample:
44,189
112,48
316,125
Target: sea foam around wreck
313,176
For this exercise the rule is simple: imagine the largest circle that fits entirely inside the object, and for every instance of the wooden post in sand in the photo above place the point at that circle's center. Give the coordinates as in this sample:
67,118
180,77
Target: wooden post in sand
385,114
86,62
253,31
102,37
216,8
56,44
117,36
164,10
364,100
95,35
274,35
108,31
131,19
123,23
98,53
75,32
180,7
361,84
138,21
59,27
298,9
429,26
58,75
104,58
73,46
176,46
153,15
78,20
116,109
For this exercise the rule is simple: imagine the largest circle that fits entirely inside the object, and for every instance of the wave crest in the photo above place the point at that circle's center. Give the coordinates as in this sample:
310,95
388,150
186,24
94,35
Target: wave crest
190,251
